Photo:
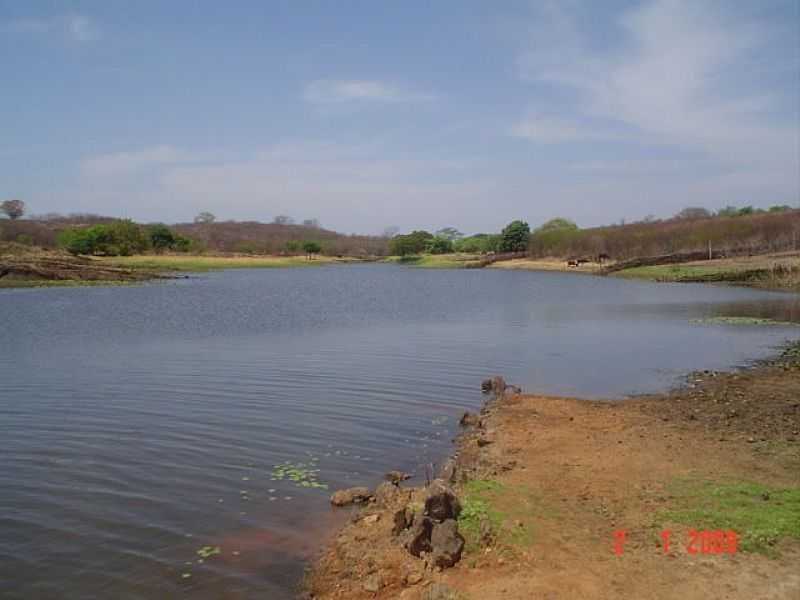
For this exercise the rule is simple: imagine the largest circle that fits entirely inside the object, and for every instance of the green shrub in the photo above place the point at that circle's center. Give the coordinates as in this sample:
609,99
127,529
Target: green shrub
415,242
120,238
440,245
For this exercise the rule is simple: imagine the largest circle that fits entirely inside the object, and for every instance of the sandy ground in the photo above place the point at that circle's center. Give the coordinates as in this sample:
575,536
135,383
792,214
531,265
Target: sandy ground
545,264
574,472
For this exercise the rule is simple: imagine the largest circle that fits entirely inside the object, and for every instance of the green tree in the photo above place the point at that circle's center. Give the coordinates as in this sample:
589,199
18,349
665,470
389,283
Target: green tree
515,237
293,246
125,238
81,240
728,211
473,243
439,245
161,237
449,233
311,248
122,237
413,243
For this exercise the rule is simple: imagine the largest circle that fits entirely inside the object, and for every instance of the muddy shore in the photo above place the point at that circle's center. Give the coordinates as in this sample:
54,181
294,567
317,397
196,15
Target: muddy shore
547,484
23,266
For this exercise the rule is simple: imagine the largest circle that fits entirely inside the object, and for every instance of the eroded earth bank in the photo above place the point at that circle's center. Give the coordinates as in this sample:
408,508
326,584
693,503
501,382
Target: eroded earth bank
568,498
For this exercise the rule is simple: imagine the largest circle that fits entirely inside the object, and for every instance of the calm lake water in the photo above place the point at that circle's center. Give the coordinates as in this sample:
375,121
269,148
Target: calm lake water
139,424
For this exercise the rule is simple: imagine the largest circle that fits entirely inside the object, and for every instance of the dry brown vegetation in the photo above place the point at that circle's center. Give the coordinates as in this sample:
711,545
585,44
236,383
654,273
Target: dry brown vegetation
748,234
21,265
228,236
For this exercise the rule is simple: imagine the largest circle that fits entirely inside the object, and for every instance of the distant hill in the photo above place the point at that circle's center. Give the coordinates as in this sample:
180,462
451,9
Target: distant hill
248,237
734,235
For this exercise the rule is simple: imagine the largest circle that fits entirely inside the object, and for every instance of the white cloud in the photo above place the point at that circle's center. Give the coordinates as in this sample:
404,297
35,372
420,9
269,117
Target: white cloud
76,28
344,186
676,80
327,91
124,163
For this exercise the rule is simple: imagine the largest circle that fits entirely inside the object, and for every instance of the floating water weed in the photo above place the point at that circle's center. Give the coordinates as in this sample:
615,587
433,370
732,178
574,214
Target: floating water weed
301,474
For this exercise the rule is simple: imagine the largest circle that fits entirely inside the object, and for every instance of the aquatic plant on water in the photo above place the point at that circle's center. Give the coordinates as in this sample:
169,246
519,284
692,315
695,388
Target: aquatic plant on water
301,474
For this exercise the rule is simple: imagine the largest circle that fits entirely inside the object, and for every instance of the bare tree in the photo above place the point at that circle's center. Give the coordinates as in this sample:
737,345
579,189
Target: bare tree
283,220
390,232
205,217
450,233
691,213
13,208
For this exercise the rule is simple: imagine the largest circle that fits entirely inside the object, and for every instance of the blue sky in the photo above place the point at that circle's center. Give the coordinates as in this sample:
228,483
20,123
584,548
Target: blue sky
416,114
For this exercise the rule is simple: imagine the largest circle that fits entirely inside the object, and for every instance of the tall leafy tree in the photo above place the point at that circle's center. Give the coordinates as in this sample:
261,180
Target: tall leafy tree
514,237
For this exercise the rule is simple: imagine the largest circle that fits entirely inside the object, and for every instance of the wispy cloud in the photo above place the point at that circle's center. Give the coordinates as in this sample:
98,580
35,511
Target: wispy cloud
328,91
674,77
350,187
124,163
76,28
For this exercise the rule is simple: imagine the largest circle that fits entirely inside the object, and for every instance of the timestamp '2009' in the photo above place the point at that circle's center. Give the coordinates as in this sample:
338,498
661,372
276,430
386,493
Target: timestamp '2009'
705,541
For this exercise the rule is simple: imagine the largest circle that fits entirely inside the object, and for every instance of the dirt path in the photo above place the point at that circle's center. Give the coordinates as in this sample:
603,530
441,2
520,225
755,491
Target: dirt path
559,478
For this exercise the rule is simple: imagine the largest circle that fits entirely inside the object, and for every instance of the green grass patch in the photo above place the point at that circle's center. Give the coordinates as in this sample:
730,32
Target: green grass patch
509,510
435,261
760,515
674,272
198,263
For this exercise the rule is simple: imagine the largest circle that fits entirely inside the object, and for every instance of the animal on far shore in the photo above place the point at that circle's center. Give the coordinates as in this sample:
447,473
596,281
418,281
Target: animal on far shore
603,257
572,262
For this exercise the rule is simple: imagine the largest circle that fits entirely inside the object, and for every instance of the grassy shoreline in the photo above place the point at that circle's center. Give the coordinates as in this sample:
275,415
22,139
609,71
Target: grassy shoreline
435,261
200,263
780,271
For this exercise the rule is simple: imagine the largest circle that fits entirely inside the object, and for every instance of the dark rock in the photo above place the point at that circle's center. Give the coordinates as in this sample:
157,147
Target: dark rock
420,538
396,477
356,495
469,419
485,532
446,544
441,503
484,441
496,384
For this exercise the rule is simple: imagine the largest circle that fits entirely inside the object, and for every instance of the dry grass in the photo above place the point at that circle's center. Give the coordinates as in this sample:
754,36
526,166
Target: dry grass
772,271
181,262
544,264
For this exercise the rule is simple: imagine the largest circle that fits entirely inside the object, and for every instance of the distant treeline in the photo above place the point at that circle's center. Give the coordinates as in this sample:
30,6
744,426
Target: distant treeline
95,234
731,230
744,233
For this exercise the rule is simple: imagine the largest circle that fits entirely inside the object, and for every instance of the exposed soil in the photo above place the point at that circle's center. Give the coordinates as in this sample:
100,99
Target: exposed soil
572,473
20,264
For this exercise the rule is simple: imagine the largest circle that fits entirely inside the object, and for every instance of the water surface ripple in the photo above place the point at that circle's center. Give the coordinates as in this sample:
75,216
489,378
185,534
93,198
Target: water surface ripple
139,424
